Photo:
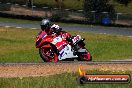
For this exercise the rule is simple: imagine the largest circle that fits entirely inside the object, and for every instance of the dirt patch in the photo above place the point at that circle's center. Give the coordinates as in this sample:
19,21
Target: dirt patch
19,70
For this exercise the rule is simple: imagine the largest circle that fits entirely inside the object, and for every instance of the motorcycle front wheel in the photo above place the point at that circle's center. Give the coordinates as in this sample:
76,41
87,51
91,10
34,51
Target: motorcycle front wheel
48,54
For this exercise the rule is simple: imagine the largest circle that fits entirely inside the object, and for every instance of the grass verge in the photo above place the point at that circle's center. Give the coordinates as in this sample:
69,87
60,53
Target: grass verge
76,4
18,45
11,20
65,80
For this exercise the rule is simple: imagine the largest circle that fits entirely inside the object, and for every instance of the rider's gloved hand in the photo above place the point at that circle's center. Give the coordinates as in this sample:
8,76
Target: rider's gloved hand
69,39
54,26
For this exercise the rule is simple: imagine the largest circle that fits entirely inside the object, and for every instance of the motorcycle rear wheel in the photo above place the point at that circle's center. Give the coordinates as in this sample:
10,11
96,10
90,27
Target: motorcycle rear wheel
85,57
48,54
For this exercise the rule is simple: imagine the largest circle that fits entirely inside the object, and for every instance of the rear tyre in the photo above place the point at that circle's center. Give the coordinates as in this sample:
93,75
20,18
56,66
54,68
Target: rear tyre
85,57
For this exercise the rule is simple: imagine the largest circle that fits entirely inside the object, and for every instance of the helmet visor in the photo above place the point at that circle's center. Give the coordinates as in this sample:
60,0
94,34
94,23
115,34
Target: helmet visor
44,26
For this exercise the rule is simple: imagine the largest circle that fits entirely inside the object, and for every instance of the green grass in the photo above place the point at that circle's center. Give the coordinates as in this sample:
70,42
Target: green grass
123,9
76,4
18,45
65,80
11,20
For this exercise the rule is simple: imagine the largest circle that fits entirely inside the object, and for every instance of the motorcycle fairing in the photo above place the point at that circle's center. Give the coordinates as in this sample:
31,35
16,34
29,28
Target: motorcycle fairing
41,38
66,52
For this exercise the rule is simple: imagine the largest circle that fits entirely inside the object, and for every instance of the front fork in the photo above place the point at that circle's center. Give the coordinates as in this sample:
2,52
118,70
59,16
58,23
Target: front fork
81,51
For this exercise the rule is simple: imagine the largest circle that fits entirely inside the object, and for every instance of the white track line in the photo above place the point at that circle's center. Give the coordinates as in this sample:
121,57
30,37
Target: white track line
129,36
80,31
33,28
103,33
7,26
18,27
8,3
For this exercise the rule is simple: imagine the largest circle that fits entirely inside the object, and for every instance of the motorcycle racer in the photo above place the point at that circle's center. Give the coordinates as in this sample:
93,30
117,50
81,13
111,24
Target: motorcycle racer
55,45
53,29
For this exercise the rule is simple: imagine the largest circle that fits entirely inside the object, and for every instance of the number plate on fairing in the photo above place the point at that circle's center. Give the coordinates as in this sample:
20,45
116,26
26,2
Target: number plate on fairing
76,38
57,39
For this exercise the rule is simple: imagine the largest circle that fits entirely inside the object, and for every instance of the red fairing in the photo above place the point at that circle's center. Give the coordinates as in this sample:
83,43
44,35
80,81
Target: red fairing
40,34
87,56
61,45
65,35
41,38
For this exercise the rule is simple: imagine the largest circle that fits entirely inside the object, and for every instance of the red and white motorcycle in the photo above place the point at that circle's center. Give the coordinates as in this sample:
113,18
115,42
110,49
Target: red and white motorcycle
57,48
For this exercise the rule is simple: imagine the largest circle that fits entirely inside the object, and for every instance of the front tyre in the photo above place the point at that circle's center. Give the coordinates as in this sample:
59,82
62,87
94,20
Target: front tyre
48,54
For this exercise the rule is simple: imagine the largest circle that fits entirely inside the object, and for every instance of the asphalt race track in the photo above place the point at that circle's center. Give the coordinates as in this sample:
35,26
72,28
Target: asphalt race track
95,29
